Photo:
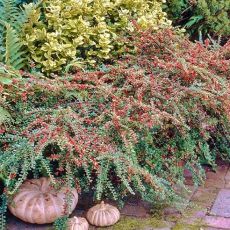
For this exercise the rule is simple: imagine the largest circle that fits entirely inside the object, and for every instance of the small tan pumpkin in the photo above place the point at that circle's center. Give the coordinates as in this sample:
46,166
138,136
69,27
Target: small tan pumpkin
78,223
102,215
38,202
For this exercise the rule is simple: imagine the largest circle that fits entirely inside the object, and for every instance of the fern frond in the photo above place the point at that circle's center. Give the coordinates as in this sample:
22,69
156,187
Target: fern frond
12,20
9,11
13,48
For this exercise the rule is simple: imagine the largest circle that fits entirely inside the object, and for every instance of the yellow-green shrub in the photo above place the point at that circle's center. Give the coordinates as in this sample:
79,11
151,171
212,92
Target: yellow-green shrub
62,32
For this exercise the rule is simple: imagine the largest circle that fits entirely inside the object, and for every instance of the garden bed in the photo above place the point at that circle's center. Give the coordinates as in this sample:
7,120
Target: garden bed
106,101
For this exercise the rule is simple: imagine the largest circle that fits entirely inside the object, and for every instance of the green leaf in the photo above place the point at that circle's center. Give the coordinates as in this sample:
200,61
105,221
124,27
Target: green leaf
5,80
4,115
193,20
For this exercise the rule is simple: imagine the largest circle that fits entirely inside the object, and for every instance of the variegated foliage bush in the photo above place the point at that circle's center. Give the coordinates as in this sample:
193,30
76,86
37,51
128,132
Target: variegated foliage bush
71,32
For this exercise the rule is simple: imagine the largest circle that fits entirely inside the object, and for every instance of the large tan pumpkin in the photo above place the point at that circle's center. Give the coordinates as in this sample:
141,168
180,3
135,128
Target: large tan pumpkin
103,215
38,202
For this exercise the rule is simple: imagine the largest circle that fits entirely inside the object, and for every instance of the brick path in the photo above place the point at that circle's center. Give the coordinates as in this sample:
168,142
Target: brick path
208,208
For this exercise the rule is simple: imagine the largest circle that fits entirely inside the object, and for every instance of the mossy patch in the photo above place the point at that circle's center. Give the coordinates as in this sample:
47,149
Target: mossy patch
130,223
186,227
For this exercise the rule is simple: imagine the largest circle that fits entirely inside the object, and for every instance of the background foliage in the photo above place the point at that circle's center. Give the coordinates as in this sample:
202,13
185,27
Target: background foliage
206,16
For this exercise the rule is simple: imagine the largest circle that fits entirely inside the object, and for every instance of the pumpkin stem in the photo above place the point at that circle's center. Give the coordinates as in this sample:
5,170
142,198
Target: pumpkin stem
76,220
102,205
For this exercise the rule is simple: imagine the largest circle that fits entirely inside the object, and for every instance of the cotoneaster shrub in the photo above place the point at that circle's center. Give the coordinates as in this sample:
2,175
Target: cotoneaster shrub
132,127
69,32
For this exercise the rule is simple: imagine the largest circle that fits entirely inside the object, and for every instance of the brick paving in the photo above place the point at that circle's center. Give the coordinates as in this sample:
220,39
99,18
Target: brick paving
221,205
208,208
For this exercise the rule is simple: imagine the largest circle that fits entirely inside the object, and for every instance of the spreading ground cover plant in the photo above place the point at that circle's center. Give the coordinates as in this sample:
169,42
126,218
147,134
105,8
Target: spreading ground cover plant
206,16
132,127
